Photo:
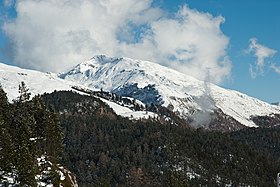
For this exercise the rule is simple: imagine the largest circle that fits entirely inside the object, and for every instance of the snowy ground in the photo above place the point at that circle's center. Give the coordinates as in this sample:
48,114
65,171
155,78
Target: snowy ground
126,112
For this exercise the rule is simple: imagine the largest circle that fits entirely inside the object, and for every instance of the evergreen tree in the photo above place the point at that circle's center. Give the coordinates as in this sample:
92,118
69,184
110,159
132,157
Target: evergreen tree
39,129
47,129
24,94
24,148
28,130
4,105
54,136
6,150
6,144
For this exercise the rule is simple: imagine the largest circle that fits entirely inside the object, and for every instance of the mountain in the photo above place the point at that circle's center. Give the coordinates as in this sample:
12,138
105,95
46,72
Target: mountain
202,104
37,82
103,149
153,84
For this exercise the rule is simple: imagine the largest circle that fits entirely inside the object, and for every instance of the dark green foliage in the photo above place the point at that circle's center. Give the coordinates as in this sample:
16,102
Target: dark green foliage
103,149
7,149
48,133
21,124
6,144
24,93
54,177
266,140
28,130
267,120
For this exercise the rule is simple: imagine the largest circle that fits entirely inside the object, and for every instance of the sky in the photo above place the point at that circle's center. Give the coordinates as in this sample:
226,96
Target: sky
234,44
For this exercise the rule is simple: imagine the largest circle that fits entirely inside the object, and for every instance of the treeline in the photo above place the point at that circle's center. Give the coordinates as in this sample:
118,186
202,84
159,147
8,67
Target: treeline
165,115
28,131
123,101
104,149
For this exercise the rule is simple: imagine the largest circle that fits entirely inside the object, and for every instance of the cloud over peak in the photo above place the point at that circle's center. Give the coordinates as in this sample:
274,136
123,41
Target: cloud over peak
261,52
52,35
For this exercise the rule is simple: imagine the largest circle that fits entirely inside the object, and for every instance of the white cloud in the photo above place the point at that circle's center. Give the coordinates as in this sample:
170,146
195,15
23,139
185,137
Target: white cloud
52,35
275,68
194,44
261,52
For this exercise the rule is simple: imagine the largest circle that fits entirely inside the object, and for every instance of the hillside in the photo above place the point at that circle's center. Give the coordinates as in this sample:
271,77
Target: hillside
30,143
37,82
105,149
152,83
199,103
102,149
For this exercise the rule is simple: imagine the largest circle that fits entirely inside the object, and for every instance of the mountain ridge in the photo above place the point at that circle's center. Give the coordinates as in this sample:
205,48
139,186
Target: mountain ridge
194,100
186,94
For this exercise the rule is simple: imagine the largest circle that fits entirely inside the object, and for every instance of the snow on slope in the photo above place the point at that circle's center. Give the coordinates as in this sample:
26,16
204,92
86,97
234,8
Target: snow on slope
44,169
186,94
39,83
126,112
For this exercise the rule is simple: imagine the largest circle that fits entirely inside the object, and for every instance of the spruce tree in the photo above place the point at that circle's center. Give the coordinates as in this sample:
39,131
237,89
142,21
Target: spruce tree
47,129
6,144
54,136
6,150
28,130
40,113
4,105
25,162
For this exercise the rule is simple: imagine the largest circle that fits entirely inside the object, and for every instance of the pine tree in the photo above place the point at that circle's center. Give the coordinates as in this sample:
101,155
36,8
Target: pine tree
24,93
41,116
22,122
28,129
4,105
6,149
53,136
6,144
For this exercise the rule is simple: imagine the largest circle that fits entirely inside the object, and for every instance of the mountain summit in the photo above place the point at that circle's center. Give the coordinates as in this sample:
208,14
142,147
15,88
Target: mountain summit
198,102
153,84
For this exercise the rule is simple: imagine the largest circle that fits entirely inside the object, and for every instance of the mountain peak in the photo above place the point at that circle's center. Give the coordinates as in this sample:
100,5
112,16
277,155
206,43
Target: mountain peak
89,66
105,59
152,83
147,82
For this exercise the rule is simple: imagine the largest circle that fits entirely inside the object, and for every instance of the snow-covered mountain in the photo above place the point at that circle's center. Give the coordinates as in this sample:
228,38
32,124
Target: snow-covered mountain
152,83
39,83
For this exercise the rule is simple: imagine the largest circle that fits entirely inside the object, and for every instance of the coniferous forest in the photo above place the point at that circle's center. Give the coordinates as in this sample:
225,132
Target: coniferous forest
103,149
29,131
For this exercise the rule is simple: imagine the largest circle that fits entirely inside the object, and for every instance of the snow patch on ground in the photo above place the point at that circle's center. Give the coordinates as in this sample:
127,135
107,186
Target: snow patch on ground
126,112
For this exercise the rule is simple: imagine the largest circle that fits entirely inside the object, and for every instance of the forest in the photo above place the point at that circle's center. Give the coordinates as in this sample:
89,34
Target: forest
31,142
103,149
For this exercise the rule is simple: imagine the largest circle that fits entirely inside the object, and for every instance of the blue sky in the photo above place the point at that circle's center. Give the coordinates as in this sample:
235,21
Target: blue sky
246,23
244,20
